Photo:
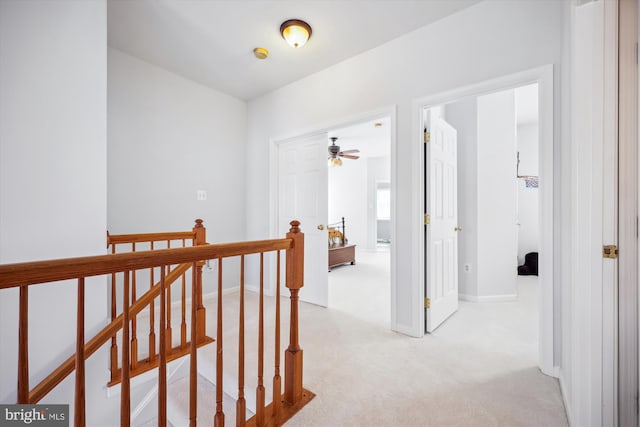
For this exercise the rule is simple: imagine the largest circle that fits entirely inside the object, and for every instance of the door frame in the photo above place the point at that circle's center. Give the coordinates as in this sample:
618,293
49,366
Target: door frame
274,197
543,76
626,214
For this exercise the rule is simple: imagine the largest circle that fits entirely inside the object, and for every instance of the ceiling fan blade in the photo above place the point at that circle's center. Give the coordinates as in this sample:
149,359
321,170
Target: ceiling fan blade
349,151
349,156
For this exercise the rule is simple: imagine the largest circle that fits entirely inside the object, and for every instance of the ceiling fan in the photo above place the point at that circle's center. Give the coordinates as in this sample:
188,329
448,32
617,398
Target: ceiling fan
335,153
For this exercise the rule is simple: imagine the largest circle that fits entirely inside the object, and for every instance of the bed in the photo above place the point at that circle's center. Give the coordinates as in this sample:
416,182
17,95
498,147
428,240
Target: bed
340,250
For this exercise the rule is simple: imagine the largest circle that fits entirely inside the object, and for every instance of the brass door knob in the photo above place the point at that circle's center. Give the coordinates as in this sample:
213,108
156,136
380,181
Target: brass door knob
458,228
321,227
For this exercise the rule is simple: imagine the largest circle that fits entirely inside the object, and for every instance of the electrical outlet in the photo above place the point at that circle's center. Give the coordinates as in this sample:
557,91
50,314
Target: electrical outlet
467,267
201,195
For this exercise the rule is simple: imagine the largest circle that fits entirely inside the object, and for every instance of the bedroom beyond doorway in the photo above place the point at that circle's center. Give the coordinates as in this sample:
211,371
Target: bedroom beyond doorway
359,192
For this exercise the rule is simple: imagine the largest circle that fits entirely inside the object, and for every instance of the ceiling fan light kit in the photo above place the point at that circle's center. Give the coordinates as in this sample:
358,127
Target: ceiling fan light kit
334,162
335,154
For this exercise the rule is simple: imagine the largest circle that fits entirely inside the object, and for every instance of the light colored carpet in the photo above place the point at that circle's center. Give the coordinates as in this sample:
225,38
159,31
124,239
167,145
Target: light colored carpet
477,369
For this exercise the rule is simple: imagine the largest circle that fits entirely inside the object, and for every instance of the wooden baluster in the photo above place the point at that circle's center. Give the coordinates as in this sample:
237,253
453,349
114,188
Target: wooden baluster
200,238
23,346
125,384
241,404
201,311
79,410
114,314
134,322
152,323
277,381
169,339
183,324
193,358
219,417
295,281
162,368
260,398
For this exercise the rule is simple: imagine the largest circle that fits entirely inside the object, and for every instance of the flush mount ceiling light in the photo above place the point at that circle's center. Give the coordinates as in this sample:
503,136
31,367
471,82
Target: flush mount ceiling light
296,32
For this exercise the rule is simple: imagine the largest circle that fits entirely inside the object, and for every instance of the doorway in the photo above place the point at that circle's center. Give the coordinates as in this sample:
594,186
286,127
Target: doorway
365,231
482,243
359,206
542,76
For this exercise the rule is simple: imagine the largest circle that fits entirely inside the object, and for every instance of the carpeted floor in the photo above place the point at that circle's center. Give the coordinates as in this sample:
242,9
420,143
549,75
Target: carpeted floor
477,369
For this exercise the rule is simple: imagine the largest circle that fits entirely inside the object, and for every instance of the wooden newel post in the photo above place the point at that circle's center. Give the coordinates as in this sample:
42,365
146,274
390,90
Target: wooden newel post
200,238
295,281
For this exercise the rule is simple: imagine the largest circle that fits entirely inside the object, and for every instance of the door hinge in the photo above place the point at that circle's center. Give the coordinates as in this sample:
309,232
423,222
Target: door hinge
427,136
427,303
427,219
610,251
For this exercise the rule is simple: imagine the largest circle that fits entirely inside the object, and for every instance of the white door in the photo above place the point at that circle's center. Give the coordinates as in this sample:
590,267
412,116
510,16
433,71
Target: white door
302,195
441,235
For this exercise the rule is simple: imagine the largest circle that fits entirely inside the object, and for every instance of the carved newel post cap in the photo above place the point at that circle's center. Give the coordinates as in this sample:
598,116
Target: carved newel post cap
199,223
295,226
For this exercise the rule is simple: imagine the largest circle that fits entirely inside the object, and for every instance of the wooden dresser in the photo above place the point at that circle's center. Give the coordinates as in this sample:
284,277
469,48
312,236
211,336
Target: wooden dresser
341,254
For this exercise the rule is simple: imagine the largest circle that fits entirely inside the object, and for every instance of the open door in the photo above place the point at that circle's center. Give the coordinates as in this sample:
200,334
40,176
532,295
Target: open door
302,195
441,238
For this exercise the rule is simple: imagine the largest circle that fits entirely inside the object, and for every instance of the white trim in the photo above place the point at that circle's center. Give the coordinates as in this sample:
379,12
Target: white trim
488,298
274,142
544,77
564,394
226,291
626,214
172,367
465,297
607,150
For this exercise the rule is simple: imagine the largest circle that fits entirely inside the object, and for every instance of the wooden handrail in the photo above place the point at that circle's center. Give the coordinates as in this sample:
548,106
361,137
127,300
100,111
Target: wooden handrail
283,406
38,272
119,239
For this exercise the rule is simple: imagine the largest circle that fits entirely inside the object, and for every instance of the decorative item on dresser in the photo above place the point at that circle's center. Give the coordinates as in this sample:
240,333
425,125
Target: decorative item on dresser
340,251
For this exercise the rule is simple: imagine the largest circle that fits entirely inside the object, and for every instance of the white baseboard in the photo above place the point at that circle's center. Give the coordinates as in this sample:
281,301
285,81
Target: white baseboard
563,393
267,292
488,298
465,297
226,291
148,376
406,330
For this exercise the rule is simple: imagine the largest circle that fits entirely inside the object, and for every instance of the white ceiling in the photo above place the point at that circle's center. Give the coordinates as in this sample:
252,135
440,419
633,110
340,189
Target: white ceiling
371,140
212,41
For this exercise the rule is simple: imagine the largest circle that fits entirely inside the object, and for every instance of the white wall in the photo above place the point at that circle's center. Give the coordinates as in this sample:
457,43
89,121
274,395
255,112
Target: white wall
378,170
352,195
488,40
53,64
348,198
497,192
528,207
168,138
463,116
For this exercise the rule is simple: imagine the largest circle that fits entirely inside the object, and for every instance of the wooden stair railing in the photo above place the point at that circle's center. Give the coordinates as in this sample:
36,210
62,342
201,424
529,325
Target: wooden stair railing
91,346
283,405
152,241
